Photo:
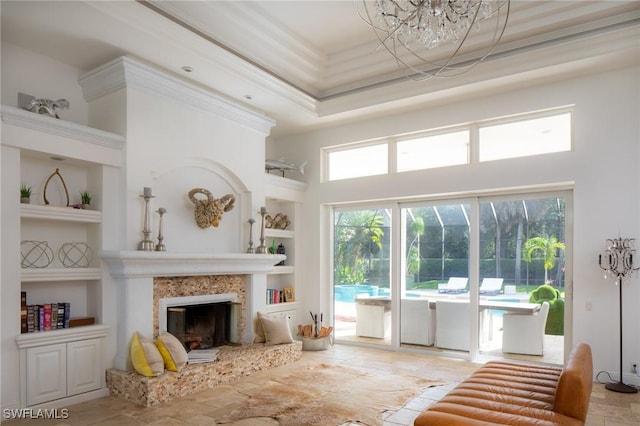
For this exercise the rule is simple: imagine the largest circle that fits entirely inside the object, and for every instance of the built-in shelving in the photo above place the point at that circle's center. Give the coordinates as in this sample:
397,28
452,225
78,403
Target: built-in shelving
60,274
67,214
34,146
279,233
285,196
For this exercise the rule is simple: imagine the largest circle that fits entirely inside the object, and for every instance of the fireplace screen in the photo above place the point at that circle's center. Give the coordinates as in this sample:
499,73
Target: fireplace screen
205,325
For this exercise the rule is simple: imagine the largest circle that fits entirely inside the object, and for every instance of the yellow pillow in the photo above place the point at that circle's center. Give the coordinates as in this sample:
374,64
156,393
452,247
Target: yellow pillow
173,352
145,357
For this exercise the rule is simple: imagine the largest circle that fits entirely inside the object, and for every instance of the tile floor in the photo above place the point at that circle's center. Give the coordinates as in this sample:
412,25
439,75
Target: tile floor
606,409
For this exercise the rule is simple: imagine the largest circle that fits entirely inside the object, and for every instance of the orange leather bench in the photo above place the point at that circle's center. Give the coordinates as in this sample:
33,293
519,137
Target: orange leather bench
500,393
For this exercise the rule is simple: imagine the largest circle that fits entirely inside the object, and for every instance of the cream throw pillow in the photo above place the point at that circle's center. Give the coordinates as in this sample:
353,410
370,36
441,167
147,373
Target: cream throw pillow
173,352
275,328
145,357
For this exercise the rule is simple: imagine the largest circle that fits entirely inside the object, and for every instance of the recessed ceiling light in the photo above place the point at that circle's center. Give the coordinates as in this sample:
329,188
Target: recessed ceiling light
187,68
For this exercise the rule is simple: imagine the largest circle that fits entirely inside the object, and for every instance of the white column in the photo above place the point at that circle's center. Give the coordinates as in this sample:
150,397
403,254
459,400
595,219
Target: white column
256,302
136,315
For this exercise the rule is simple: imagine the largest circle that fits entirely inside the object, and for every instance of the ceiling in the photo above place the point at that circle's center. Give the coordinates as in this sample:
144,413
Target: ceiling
309,63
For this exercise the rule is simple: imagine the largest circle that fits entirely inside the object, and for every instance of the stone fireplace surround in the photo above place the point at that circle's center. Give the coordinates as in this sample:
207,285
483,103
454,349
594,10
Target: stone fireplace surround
146,277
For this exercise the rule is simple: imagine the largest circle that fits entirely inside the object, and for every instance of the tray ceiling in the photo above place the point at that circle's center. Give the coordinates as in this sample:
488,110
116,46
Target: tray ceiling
308,63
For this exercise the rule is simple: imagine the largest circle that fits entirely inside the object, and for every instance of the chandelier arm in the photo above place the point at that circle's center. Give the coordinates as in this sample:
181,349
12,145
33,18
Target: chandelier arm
494,44
464,38
389,35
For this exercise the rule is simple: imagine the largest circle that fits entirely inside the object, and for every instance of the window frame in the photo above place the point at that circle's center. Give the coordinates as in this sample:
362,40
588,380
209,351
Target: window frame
473,153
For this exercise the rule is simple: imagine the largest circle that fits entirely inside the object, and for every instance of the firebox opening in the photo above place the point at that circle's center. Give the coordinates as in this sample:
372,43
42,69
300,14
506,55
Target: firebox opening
201,326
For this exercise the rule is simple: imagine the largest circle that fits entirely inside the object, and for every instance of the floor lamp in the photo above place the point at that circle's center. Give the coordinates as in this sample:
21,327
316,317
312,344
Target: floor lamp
618,261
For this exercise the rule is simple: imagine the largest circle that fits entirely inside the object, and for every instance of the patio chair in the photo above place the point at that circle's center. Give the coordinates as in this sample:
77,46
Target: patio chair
452,325
491,286
417,322
524,334
373,317
454,285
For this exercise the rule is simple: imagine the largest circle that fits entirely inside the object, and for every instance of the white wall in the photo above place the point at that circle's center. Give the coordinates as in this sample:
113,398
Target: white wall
602,169
174,149
43,77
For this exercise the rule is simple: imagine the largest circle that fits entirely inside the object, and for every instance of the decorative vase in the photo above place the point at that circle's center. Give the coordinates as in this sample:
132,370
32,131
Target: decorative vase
25,200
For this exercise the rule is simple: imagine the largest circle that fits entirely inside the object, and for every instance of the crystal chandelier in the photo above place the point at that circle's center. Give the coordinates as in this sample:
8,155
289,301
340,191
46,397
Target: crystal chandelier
411,29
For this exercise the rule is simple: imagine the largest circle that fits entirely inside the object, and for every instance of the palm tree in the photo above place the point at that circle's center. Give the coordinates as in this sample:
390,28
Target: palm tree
413,252
548,245
358,238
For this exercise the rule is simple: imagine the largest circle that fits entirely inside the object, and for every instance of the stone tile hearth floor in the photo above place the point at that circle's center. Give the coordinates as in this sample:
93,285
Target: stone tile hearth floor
606,408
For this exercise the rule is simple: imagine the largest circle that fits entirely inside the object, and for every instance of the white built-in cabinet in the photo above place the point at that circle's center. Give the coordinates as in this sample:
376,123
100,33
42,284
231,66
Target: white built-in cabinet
59,365
285,196
63,364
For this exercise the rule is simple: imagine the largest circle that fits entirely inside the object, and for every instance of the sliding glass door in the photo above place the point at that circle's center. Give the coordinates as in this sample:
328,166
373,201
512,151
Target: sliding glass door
523,245
362,275
468,276
434,303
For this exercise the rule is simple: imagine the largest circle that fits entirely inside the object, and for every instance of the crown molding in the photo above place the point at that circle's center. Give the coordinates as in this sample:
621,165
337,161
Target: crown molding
126,72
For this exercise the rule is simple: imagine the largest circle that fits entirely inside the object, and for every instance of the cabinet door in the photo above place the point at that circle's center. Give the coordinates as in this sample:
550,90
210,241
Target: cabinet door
84,364
46,373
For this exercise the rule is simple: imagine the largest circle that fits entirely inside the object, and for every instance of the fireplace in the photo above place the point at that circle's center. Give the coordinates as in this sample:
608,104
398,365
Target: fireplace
202,321
147,280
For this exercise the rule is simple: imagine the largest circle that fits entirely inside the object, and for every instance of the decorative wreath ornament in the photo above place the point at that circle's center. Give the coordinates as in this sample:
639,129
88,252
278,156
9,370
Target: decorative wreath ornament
35,254
209,212
279,221
75,255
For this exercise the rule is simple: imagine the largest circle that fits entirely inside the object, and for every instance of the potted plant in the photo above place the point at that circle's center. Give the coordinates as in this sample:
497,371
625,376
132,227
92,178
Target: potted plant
85,200
25,194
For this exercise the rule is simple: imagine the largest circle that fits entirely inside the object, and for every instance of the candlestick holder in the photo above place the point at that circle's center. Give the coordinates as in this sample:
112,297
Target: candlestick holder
251,249
618,261
160,246
146,244
261,249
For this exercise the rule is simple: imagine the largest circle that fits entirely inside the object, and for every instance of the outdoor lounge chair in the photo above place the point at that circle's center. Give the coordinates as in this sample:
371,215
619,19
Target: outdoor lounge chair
491,286
454,285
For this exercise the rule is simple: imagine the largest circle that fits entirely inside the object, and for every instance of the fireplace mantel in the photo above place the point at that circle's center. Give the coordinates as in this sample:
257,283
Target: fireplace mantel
138,264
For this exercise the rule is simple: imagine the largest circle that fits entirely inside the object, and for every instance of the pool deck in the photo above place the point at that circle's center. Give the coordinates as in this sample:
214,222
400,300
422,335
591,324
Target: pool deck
345,322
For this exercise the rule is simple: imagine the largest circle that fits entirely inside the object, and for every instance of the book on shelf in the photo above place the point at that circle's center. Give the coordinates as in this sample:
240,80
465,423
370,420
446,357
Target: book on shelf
31,322
47,317
23,312
60,315
54,316
44,317
67,315
40,317
274,296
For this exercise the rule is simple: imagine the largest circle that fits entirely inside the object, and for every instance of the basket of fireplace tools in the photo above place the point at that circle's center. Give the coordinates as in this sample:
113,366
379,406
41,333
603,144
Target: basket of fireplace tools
314,339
